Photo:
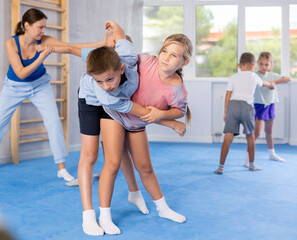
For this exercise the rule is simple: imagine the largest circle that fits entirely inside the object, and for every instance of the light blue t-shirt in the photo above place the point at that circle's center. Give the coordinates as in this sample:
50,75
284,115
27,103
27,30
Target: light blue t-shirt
119,99
265,95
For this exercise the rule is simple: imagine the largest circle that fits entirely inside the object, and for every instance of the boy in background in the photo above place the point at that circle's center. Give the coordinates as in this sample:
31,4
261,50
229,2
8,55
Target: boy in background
239,108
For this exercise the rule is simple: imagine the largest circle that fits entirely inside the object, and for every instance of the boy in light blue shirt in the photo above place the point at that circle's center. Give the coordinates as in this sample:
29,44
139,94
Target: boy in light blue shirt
119,99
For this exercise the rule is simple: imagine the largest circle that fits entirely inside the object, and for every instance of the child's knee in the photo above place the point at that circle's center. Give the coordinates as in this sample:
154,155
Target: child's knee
268,132
112,165
257,134
145,169
89,157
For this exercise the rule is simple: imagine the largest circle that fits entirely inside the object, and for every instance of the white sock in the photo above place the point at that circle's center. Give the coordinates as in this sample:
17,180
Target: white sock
106,223
72,183
63,173
136,198
247,160
273,156
220,169
166,212
90,225
254,167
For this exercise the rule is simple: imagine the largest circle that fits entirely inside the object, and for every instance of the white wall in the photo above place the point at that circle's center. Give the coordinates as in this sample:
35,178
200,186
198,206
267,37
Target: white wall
205,96
206,101
86,24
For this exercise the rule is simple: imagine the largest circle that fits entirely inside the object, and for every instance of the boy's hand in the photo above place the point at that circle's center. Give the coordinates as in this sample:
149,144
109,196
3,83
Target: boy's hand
272,85
180,128
109,39
154,115
115,29
111,25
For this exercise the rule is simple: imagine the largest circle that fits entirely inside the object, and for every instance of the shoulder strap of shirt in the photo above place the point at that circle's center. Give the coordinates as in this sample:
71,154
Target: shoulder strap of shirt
16,38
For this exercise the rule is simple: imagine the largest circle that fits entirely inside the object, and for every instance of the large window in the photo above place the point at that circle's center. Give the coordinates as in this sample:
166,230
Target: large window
216,40
293,40
263,32
159,23
221,30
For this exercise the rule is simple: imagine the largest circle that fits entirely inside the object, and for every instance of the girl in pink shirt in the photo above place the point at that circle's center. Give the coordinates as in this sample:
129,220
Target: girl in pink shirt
157,94
162,91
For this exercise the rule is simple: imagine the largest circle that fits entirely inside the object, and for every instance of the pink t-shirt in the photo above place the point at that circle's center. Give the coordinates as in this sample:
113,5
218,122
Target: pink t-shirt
152,91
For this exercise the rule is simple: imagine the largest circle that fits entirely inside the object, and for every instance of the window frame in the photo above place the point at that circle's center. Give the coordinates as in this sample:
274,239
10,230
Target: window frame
190,29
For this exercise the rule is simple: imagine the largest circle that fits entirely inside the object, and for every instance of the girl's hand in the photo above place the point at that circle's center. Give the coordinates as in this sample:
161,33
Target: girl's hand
180,128
154,115
224,118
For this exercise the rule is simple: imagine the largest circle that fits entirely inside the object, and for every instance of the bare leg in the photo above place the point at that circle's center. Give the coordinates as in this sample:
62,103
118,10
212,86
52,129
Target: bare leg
258,128
139,148
251,146
269,140
225,147
251,150
128,171
135,197
87,160
113,135
61,166
88,157
224,151
257,132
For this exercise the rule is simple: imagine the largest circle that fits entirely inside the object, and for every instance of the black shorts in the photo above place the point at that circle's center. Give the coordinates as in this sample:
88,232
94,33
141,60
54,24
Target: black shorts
89,117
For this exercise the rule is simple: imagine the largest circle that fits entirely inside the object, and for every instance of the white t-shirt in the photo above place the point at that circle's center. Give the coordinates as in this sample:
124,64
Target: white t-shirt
243,85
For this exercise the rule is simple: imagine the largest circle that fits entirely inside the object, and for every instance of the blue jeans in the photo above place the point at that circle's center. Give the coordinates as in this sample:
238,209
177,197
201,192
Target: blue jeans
41,95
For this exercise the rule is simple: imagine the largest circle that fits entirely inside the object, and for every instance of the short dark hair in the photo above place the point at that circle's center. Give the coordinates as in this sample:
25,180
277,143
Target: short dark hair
247,58
103,59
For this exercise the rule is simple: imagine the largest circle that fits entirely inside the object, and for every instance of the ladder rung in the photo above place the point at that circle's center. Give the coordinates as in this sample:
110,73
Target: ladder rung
42,6
57,2
57,100
37,120
57,82
54,64
34,140
32,130
55,27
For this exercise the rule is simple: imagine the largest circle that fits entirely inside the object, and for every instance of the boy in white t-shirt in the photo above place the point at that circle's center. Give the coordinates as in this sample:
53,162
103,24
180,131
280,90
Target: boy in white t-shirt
239,108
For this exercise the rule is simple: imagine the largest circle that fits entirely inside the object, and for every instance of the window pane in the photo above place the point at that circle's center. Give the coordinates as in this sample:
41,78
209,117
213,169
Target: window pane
160,22
293,40
263,32
216,34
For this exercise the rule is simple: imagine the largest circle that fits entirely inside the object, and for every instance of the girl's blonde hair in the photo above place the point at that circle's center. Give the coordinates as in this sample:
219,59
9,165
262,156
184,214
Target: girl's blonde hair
182,40
186,43
268,56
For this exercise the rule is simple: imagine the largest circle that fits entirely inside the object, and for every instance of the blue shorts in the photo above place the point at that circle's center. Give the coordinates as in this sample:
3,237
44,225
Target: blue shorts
264,113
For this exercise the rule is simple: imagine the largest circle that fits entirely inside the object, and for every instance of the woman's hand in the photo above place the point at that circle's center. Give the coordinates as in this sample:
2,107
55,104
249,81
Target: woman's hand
45,51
